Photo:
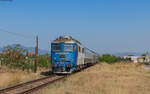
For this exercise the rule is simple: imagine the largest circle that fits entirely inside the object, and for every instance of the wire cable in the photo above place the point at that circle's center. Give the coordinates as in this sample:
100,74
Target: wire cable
15,34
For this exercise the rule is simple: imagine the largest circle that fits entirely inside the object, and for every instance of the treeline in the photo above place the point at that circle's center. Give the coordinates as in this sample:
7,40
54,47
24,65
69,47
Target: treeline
110,58
17,57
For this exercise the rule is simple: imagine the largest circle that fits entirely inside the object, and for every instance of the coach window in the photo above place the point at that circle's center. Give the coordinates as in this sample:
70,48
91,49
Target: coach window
82,50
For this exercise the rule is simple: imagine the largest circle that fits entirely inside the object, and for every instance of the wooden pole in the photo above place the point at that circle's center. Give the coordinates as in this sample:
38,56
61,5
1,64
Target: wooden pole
36,55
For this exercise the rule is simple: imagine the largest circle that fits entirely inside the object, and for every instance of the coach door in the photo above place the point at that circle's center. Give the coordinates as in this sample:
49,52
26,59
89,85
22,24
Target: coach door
80,58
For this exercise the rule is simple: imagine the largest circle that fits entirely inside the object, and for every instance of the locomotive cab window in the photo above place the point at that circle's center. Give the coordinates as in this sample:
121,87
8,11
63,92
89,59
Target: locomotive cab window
68,47
56,47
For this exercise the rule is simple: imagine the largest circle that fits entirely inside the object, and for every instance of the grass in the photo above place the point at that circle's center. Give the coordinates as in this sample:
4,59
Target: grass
12,77
119,78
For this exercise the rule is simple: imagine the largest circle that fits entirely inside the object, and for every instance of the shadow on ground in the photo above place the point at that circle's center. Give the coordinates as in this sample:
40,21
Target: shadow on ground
47,73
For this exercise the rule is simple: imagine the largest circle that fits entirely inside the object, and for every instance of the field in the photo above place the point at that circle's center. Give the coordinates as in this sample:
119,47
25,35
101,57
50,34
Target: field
9,77
119,78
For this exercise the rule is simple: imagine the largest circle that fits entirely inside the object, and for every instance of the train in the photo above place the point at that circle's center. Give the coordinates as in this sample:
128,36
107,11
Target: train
69,55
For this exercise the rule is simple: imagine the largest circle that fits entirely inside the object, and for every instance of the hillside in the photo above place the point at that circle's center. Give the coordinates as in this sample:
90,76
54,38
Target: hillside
105,79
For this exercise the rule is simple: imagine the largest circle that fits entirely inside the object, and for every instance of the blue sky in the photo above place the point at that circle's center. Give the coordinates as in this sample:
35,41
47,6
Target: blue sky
106,26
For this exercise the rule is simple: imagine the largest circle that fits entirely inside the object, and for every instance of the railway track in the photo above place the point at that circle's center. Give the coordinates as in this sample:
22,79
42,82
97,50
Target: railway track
31,86
34,85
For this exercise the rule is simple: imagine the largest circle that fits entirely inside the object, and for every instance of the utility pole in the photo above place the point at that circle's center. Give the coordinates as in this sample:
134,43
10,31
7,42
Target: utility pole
36,55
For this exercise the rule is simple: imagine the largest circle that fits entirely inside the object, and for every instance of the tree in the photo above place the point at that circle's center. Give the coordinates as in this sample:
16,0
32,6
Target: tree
14,56
131,55
44,61
145,54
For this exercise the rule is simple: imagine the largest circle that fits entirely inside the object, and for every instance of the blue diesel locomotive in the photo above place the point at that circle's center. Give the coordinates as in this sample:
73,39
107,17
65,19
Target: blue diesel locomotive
69,55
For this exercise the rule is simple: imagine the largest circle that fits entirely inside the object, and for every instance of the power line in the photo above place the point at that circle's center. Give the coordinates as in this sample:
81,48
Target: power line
15,34
18,34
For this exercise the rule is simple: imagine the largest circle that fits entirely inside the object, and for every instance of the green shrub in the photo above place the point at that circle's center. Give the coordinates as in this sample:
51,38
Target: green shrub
109,58
17,57
44,61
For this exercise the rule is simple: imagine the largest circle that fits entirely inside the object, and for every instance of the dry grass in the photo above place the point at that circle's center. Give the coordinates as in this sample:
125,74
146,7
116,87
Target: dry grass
9,78
103,78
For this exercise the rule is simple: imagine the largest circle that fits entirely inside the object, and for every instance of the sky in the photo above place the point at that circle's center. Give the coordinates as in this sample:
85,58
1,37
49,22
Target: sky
105,26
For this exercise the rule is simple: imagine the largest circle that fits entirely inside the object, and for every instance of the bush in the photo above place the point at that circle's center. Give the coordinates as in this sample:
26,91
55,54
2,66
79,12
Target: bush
14,57
44,61
109,58
17,57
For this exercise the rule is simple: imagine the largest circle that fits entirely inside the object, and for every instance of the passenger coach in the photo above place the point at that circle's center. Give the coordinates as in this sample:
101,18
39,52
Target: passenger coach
69,55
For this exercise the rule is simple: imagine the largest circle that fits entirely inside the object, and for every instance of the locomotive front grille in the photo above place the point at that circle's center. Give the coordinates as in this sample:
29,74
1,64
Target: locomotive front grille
62,56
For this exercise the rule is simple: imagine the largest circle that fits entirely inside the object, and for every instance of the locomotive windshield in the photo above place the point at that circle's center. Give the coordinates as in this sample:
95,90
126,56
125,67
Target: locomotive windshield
56,47
68,47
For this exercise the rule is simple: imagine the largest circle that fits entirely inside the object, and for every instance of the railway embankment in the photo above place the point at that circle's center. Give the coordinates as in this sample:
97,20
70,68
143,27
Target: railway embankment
119,78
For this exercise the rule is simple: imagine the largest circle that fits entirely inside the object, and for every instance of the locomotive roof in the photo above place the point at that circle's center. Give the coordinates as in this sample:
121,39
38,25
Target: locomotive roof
65,39
69,39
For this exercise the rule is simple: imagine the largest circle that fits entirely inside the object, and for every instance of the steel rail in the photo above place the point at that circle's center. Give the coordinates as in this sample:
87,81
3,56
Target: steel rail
23,84
29,91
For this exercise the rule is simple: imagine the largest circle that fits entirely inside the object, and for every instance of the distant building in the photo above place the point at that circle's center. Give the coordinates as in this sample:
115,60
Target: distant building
141,59
131,58
136,59
147,58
